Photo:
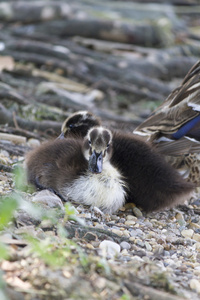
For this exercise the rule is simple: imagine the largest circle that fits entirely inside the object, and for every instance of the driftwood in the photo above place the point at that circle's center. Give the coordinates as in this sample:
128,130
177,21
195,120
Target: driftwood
18,150
90,233
6,117
20,131
33,11
92,71
122,70
17,139
100,29
138,289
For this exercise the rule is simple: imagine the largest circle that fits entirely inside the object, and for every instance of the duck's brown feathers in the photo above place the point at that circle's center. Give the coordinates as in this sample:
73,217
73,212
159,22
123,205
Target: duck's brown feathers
152,183
56,162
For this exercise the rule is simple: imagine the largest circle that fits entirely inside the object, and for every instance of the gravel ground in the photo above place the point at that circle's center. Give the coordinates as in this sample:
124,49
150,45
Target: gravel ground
144,256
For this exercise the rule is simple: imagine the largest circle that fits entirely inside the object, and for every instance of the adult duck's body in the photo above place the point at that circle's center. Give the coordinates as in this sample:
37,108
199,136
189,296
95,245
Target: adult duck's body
174,128
106,169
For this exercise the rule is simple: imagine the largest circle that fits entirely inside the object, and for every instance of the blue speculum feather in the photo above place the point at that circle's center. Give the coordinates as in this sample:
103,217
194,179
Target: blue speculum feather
186,128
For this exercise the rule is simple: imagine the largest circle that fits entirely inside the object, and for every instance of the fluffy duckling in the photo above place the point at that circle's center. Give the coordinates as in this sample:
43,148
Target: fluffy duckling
151,182
79,170
174,128
78,124
105,170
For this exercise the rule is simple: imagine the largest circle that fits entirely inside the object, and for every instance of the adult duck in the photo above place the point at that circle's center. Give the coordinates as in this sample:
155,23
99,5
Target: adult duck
174,128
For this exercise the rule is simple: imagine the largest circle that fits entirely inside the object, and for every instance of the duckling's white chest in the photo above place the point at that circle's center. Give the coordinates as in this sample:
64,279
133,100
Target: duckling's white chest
104,190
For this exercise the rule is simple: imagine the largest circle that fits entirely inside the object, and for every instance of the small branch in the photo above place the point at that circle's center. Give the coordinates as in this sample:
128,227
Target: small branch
141,290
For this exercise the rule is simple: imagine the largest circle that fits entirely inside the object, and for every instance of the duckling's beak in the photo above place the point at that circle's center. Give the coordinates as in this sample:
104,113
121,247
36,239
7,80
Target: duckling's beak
61,136
96,162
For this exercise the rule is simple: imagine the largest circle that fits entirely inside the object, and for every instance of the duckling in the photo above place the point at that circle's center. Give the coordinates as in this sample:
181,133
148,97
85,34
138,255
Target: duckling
106,169
78,124
174,128
151,182
79,169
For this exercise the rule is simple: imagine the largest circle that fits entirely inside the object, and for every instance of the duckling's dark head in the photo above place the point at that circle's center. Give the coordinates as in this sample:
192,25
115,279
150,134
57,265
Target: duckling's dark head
97,148
78,124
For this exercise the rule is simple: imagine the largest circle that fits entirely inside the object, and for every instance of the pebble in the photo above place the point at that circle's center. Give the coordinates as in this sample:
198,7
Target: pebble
122,220
117,231
109,249
180,219
48,199
196,237
124,252
125,245
33,143
100,226
139,243
136,258
187,233
194,226
158,250
126,233
197,246
130,222
114,217
137,212
195,285
3,178
130,217
148,246
139,232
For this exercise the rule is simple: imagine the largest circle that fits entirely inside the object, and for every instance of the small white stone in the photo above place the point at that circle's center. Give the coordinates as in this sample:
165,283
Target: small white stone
136,259
197,246
130,222
196,237
117,231
131,217
187,233
148,246
195,285
124,252
33,143
109,248
125,245
47,13
126,233
194,226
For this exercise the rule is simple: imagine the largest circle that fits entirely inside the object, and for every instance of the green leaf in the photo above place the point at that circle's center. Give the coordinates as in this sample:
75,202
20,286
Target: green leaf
7,207
20,179
3,252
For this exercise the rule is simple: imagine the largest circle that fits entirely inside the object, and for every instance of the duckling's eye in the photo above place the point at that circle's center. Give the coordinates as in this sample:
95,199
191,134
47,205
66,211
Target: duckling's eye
71,126
89,142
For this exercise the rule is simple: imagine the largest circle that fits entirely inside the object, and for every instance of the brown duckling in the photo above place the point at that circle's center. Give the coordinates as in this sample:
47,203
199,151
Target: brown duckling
105,170
152,183
79,170
78,124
